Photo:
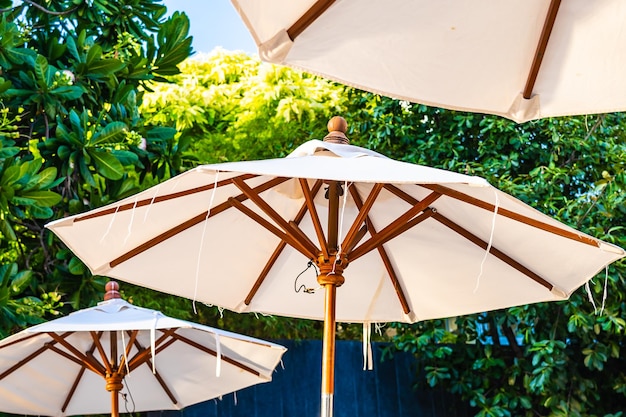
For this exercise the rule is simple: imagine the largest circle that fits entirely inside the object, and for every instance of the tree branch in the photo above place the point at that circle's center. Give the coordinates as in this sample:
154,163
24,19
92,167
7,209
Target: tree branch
50,12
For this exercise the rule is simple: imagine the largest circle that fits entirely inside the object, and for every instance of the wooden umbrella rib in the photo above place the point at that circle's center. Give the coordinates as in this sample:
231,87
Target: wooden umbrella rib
164,386
95,336
266,270
393,276
143,357
225,358
300,236
546,31
310,205
113,349
364,209
277,218
273,229
393,189
143,354
399,224
87,362
20,340
79,376
159,199
388,234
160,238
494,251
308,17
188,224
76,355
513,215
72,390
133,336
25,360
360,234
281,246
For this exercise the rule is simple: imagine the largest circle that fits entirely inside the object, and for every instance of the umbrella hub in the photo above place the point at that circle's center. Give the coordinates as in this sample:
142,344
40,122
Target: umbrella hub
114,382
331,269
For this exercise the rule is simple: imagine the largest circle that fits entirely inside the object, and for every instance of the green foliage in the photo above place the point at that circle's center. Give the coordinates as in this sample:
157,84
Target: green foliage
82,123
16,307
553,359
73,74
230,106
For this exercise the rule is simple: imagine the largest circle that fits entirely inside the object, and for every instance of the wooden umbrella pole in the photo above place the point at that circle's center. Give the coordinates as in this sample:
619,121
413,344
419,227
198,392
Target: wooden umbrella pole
330,277
330,280
328,351
331,264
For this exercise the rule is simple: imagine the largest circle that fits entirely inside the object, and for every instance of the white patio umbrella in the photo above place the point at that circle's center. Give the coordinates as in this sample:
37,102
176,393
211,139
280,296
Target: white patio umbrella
521,59
413,242
84,362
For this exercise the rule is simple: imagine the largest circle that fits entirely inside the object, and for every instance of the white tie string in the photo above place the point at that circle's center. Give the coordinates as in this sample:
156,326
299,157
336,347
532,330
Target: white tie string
590,297
125,357
340,237
367,347
218,350
130,223
153,341
208,214
156,192
606,283
110,224
493,227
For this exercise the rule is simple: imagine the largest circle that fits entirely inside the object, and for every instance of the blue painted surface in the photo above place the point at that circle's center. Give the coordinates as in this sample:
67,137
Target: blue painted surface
386,391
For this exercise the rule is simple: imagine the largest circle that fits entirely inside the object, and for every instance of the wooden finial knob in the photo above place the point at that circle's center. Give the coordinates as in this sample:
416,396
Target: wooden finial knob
112,290
337,128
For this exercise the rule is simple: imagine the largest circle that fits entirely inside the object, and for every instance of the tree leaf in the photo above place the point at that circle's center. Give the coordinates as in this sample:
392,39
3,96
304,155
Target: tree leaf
107,165
67,92
76,267
114,132
21,280
40,198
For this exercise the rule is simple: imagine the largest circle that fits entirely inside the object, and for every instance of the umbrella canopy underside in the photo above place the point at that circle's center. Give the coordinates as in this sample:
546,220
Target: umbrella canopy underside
61,367
522,59
416,243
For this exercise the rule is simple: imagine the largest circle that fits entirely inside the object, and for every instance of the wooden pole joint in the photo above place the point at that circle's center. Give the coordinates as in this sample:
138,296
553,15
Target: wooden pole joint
331,269
114,382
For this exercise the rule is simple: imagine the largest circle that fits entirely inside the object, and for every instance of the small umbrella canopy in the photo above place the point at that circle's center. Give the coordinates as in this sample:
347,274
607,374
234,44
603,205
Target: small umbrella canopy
521,59
151,361
412,242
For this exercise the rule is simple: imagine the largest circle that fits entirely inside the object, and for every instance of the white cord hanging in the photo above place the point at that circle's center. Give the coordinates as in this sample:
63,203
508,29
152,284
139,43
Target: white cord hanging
493,227
156,192
368,363
110,224
340,237
590,297
208,214
218,350
125,357
132,219
606,283
153,341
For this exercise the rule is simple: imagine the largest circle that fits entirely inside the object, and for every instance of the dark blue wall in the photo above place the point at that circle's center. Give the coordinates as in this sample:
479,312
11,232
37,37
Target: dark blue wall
387,391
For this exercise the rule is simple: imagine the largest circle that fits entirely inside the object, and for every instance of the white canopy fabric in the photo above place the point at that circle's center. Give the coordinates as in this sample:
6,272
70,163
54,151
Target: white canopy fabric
521,59
57,368
438,244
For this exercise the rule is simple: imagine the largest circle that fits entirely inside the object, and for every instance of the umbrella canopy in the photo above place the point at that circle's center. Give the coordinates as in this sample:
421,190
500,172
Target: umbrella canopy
154,362
412,242
521,59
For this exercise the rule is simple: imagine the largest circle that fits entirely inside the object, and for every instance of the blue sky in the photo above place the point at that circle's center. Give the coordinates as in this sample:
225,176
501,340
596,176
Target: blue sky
214,23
